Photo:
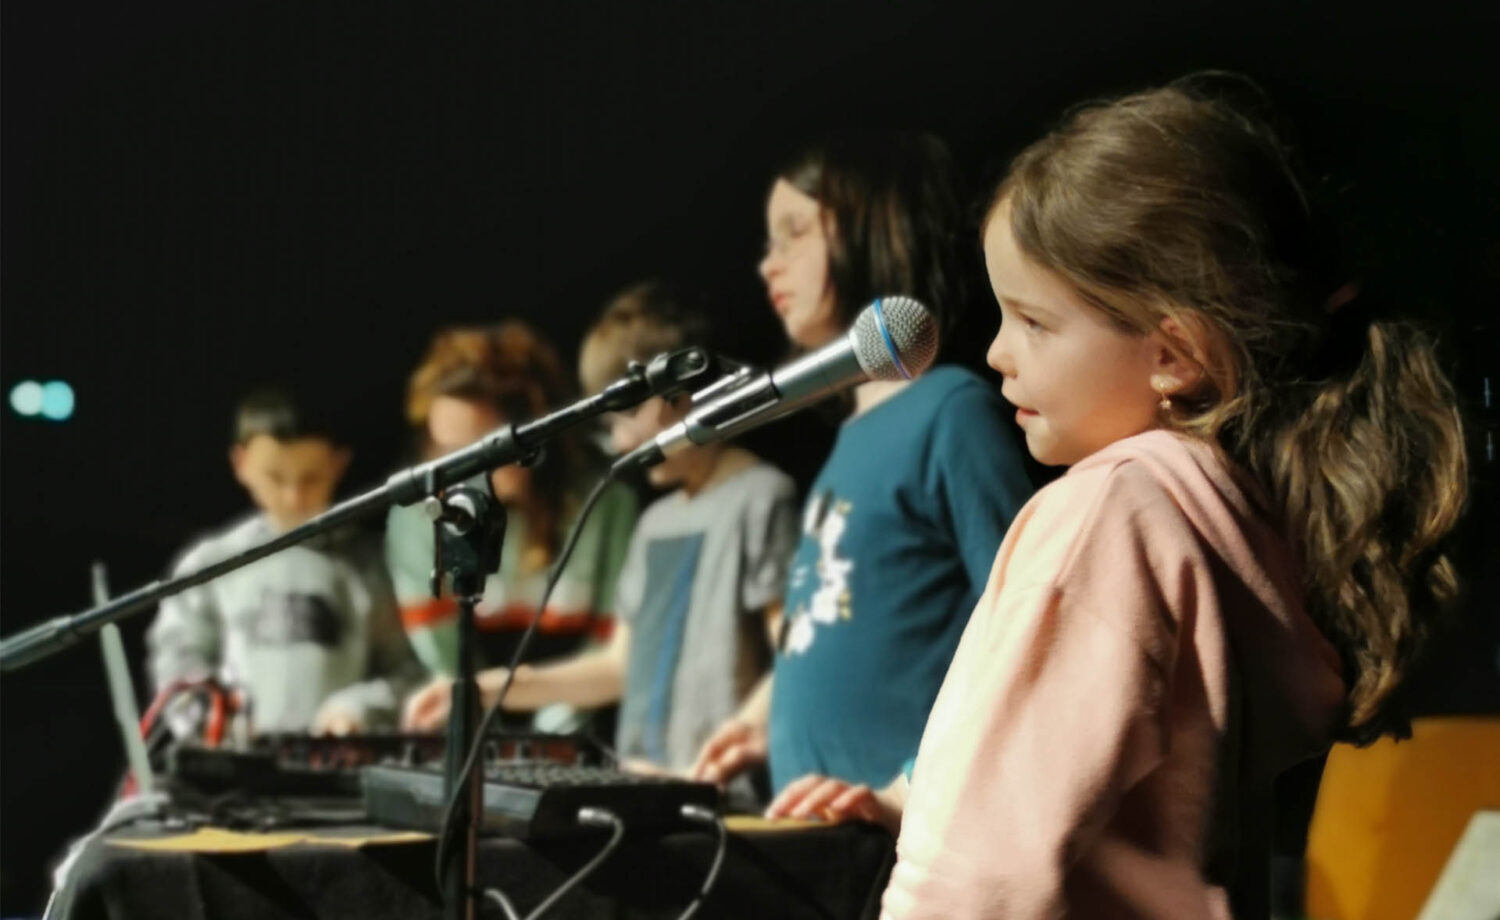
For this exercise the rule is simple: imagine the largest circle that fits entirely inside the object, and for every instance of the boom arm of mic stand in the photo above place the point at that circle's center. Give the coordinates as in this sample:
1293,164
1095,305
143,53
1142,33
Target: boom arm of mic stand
56,634
667,374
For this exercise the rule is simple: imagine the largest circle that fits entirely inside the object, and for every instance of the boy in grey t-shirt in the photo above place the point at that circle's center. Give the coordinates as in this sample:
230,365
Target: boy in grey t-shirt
310,634
705,568
699,595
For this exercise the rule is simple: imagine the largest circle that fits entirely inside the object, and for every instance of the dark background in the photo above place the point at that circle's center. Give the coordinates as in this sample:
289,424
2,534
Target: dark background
199,198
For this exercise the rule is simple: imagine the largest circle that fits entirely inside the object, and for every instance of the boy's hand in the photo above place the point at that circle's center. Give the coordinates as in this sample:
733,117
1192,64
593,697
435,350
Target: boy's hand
336,720
643,767
427,709
732,749
834,800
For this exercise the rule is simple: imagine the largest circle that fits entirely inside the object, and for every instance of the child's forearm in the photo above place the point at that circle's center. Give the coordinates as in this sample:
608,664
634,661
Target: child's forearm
592,679
773,617
756,709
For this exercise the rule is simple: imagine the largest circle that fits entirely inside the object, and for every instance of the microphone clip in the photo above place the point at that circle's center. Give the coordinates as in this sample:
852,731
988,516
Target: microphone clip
672,372
666,375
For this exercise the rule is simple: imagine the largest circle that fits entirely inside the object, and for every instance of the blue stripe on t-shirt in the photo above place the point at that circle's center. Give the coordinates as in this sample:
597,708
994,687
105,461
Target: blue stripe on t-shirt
672,623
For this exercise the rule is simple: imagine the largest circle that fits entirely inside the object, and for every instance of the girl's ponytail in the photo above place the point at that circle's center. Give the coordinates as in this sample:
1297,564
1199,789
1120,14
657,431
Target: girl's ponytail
1368,465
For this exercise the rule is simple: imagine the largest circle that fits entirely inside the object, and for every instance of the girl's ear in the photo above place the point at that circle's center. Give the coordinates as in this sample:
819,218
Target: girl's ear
1180,355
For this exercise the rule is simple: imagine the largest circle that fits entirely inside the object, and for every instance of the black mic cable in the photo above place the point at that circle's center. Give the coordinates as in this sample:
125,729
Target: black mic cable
590,815
456,795
706,816
667,374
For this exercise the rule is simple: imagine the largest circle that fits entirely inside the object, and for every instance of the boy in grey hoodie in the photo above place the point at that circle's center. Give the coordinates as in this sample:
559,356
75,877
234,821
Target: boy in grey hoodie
310,634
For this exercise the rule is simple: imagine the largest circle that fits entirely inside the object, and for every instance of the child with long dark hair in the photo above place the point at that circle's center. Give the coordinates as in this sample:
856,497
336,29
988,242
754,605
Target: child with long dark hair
901,523
1240,565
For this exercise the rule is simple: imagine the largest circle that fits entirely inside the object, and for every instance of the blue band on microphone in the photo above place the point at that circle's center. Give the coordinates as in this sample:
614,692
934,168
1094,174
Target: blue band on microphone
890,345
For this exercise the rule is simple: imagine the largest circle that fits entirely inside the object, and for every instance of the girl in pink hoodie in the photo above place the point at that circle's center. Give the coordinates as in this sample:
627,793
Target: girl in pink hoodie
1239,565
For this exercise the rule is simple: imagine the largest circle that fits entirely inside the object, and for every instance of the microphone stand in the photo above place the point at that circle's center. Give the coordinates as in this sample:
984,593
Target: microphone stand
666,375
469,531
468,535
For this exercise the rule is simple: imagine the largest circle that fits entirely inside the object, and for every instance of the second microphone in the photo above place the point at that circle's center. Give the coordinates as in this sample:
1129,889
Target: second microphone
893,338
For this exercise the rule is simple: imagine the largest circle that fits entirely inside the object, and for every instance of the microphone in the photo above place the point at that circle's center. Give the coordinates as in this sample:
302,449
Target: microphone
894,338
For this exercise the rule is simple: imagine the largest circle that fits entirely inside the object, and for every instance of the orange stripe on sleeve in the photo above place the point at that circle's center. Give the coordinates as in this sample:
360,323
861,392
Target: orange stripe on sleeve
512,618
428,613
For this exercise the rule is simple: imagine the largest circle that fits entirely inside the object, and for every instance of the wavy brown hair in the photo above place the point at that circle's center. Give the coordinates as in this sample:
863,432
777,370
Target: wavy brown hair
637,324
1178,202
511,369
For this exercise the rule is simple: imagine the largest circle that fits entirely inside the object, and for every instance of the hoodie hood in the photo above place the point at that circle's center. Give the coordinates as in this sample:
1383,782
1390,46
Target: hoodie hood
1286,675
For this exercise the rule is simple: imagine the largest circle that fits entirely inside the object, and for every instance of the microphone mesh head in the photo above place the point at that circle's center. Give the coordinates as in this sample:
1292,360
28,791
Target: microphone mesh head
912,333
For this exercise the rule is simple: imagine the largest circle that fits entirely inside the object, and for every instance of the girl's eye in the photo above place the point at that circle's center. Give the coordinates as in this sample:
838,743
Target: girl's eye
779,242
1024,321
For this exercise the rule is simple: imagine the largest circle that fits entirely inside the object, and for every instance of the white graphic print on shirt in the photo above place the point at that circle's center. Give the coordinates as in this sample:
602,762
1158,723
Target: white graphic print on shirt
825,521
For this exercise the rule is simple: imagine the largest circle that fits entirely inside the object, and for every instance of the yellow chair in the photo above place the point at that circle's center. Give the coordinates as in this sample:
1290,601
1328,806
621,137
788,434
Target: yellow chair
1388,815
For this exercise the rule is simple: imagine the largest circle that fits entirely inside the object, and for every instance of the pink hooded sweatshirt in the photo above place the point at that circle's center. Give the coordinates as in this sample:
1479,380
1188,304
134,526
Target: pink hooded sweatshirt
1136,673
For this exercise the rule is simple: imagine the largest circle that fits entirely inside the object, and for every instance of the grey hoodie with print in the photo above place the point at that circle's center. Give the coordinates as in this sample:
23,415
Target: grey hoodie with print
311,626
